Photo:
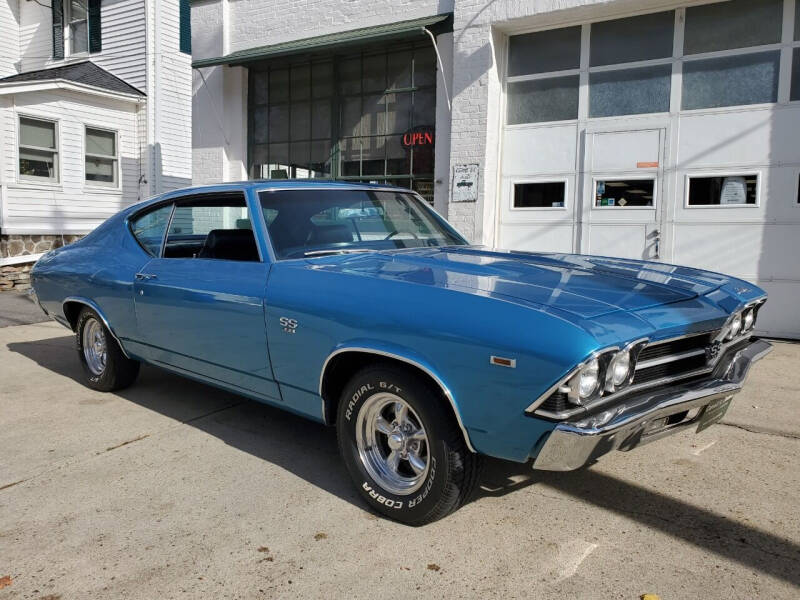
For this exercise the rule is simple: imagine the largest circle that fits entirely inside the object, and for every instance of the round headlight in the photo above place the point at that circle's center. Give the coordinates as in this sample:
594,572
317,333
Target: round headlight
620,368
588,378
736,326
749,319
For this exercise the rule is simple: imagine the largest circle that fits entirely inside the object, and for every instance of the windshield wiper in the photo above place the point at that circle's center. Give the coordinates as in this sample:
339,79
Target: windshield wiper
337,251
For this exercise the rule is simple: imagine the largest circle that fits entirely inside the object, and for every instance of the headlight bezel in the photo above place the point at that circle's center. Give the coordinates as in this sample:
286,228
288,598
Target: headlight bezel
604,360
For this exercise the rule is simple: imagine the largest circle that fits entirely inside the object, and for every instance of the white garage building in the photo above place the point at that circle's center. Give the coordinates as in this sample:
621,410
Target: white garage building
644,129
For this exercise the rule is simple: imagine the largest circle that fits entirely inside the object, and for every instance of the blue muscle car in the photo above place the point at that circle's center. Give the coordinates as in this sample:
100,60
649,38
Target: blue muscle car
360,307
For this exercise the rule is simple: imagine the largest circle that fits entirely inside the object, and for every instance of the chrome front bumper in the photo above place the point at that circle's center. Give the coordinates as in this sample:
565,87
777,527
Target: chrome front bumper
649,416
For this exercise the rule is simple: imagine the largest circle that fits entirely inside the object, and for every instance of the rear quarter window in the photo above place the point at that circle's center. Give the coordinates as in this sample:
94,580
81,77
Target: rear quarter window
149,228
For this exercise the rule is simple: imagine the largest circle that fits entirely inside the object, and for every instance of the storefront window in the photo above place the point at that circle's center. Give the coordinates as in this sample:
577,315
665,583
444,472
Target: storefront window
375,124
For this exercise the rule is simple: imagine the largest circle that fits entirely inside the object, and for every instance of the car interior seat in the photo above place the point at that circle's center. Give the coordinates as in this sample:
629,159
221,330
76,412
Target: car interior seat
230,244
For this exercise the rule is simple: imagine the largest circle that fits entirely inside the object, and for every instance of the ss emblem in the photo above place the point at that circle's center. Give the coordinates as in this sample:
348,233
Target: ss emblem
289,325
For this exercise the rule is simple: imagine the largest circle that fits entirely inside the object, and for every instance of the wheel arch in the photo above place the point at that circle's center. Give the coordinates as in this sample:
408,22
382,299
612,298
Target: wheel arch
72,306
343,362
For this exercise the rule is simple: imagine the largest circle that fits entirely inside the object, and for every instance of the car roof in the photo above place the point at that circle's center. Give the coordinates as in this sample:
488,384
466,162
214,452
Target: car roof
265,184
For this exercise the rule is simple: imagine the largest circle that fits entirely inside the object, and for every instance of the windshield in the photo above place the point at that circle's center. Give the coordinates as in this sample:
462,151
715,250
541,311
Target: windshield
316,222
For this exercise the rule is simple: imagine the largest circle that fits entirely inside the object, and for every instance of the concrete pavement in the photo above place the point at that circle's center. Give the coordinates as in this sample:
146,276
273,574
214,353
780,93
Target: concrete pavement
172,489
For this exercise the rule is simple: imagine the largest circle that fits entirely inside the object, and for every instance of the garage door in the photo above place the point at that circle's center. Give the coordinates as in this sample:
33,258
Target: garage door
655,137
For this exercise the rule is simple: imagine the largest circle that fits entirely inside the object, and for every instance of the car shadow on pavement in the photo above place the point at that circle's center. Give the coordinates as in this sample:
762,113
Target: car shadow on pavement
714,533
309,450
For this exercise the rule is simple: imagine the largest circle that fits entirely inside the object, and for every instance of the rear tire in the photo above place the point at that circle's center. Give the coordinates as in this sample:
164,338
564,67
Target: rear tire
403,447
105,366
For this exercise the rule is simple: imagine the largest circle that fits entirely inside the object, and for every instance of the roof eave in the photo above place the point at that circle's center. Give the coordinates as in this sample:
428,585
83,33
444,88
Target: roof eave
20,87
442,23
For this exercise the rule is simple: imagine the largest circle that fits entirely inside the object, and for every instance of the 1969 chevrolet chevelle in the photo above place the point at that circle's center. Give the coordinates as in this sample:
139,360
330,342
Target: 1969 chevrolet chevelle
360,307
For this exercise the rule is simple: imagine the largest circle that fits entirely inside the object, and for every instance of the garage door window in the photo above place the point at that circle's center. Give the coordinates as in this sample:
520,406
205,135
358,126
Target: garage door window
629,91
546,194
543,100
717,55
796,74
731,80
733,24
624,193
545,65
723,190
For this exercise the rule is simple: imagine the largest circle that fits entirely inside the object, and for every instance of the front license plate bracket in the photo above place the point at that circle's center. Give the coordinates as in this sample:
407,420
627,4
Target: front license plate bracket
713,412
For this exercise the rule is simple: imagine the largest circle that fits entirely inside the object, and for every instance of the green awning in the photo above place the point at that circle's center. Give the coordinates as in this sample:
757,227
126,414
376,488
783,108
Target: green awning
366,35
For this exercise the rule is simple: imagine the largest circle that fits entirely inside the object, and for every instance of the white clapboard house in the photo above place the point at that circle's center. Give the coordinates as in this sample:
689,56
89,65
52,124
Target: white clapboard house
95,114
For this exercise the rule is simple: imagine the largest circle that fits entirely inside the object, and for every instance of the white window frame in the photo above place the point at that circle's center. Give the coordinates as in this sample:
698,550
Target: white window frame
514,182
785,47
725,173
68,31
117,185
616,177
49,181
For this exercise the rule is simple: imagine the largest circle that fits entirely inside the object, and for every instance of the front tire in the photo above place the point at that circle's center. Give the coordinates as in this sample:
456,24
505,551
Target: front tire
104,365
403,447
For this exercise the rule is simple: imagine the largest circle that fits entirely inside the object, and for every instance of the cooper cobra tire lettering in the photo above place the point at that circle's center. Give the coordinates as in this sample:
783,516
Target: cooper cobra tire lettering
428,484
388,502
451,470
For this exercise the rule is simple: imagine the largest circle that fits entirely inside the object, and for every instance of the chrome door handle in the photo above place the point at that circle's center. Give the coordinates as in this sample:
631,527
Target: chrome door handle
145,276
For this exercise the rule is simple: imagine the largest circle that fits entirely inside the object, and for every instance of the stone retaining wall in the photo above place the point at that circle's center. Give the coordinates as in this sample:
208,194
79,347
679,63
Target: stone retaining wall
18,276
12,245
15,277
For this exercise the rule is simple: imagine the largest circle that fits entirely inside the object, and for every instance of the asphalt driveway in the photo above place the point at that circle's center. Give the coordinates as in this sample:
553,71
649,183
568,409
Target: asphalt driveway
18,308
172,489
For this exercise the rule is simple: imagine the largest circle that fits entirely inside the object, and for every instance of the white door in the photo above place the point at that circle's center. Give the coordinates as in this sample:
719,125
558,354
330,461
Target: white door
623,193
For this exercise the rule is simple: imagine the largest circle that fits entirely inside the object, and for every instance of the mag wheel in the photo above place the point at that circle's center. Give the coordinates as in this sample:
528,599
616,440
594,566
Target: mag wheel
403,447
105,366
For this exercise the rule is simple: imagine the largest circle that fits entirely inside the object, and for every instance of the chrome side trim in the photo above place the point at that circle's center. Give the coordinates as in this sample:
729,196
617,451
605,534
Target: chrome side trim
653,362
423,368
99,312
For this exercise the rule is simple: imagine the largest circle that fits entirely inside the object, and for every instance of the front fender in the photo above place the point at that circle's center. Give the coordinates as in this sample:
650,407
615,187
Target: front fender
406,355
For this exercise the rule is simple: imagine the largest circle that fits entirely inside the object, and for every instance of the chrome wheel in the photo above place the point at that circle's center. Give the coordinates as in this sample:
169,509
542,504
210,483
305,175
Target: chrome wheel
94,346
392,443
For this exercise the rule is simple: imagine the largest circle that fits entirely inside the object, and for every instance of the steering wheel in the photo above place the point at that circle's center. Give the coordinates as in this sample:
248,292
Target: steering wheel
396,232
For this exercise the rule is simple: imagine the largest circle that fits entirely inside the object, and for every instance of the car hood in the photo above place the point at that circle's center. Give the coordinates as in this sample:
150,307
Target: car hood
582,286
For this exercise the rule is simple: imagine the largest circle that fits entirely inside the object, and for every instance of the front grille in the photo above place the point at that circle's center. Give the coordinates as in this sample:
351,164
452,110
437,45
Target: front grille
656,350
556,403
674,368
681,360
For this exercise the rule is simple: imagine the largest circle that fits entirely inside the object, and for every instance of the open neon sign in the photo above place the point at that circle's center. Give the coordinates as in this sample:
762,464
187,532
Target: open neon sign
418,137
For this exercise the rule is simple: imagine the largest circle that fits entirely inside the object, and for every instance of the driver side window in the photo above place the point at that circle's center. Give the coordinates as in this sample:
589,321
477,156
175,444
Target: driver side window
211,227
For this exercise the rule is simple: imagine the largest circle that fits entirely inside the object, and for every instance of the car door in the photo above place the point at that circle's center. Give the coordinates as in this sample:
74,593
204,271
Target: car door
200,304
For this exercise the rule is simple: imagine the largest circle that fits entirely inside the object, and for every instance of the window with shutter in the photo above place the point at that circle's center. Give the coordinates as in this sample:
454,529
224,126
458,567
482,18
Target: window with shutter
95,30
57,8
185,42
